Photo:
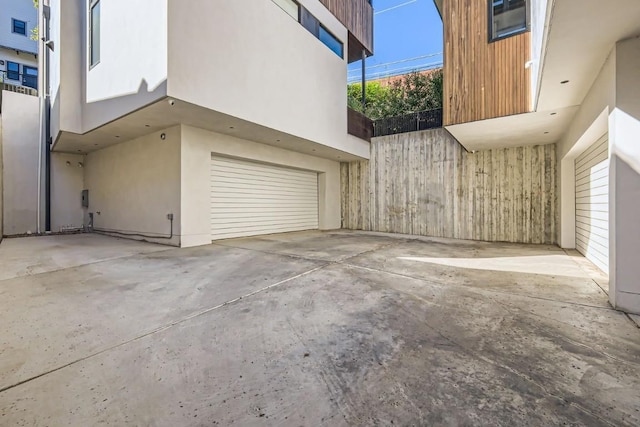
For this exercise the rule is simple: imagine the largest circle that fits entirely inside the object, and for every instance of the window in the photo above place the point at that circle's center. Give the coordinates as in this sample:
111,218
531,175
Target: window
13,70
94,33
289,6
19,27
507,18
314,26
330,41
30,76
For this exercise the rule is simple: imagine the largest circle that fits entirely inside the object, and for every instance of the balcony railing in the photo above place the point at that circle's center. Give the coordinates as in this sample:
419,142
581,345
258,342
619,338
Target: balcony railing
421,120
16,78
359,125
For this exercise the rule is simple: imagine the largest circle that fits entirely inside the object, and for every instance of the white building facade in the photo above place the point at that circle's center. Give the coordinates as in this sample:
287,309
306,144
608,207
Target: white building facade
207,119
18,52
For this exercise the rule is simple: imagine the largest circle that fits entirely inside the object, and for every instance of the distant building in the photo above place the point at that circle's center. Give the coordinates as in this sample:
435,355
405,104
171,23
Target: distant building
389,80
18,52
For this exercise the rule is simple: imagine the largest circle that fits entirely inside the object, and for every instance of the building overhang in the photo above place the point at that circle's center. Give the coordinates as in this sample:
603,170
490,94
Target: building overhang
19,51
170,112
537,128
579,37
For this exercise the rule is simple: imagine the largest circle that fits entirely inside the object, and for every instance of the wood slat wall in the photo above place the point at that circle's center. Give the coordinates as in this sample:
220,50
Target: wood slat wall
357,16
482,80
425,183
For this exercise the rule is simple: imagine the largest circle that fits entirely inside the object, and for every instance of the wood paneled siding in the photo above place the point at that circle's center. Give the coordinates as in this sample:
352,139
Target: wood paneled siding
357,16
425,183
482,80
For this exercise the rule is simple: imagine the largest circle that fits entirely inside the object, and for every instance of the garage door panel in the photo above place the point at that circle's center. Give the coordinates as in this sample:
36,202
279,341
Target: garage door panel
256,169
592,204
586,221
594,199
264,180
593,159
594,175
258,194
604,215
249,199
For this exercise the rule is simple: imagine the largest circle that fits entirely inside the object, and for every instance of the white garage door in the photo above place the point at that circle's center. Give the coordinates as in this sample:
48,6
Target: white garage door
592,204
249,199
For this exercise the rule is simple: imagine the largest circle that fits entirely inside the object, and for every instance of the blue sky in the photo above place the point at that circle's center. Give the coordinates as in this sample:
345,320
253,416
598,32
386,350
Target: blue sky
403,29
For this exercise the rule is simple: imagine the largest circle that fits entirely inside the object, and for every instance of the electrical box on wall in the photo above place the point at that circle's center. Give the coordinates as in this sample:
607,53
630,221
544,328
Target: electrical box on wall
85,198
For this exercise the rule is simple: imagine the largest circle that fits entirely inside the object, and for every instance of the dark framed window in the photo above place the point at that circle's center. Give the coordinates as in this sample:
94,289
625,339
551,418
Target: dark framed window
94,33
30,76
331,41
507,18
19,27
13,70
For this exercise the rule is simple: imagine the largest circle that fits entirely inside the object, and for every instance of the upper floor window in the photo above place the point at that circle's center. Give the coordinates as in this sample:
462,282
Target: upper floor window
507,18
330,41
30,76
13,70
94,32
19,27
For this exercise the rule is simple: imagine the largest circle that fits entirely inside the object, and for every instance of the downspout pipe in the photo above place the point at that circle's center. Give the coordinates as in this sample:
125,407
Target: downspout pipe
47,108
42,134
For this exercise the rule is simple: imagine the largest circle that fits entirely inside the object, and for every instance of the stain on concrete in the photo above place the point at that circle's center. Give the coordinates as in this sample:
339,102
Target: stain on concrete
353,337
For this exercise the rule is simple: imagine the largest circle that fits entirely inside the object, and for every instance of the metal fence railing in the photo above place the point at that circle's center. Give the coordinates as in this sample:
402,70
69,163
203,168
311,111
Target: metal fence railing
421,120
17,78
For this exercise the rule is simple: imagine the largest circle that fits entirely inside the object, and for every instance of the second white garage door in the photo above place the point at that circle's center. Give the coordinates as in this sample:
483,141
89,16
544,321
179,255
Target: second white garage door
592,204
249,199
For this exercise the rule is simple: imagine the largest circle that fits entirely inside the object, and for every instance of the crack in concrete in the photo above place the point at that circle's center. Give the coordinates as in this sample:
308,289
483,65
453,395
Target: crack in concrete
71,267
163,328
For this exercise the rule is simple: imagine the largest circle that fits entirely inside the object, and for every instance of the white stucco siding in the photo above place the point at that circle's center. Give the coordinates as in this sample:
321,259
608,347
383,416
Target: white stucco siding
625,179
197,148
20,143
67,183
252,60
132,71
67,65
24,11
540,10
134,185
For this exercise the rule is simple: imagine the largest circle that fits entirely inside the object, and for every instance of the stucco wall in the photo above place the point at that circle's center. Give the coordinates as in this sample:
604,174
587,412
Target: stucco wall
624,180
20,139
67,65
253,61
197,146
134,185
67,182
24,11
132,71
539,11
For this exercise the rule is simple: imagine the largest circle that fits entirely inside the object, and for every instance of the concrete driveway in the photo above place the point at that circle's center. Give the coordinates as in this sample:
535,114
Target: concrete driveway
338,328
